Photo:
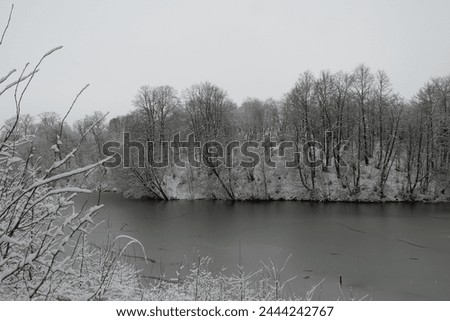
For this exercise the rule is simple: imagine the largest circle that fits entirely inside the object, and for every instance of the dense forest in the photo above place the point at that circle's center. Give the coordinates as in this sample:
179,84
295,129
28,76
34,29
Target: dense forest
395,149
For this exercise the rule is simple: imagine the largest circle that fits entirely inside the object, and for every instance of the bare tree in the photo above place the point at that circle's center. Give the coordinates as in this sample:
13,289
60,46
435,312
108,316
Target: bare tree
363,90
383,92
299,109
210,113
156,104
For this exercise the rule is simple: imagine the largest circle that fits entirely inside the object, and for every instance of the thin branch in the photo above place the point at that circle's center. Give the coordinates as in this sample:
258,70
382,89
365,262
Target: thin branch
61,162
7,76
70,109
7,24
15,82
36,68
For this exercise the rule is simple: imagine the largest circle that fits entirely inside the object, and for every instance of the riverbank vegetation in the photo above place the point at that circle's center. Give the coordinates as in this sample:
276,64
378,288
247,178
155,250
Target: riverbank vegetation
393,149
371,144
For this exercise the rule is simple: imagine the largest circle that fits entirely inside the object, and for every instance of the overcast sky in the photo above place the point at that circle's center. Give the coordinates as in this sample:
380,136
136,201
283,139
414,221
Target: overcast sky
249,48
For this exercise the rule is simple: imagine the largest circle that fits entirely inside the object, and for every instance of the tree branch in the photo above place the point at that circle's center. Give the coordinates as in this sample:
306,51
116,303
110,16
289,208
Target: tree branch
7,24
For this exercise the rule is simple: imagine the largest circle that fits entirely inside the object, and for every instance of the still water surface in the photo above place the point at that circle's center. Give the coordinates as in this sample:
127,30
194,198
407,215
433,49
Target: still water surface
385,251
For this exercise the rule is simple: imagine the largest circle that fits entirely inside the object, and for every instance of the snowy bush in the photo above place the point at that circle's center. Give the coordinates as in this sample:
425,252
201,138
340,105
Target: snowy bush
42,249
39,225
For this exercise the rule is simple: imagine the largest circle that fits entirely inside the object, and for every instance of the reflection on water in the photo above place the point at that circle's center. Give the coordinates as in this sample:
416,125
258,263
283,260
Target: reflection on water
388,251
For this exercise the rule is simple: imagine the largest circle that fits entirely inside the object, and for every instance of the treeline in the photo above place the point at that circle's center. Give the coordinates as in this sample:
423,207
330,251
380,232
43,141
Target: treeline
395,149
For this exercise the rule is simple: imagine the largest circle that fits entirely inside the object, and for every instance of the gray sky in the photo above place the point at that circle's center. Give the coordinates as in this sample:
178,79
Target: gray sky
249,48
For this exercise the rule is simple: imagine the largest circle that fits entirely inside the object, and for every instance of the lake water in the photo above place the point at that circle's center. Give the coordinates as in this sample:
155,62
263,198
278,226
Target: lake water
385,251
